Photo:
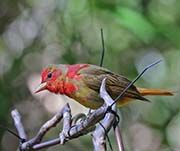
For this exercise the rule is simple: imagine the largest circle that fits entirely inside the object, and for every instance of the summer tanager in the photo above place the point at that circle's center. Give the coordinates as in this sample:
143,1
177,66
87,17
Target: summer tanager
82,82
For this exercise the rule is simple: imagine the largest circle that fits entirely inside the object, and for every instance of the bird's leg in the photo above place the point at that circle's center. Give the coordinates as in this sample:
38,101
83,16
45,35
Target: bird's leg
89,112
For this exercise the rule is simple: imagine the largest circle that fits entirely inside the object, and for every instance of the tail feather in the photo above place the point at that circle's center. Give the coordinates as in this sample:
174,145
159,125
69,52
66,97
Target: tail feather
145,92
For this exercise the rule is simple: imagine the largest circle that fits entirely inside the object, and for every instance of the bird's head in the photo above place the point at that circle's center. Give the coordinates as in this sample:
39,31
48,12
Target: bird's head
50,79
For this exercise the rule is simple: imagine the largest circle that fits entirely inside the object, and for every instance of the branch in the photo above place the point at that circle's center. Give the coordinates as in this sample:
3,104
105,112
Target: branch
84,127
43,130
70,131
18,124
119,138
100,132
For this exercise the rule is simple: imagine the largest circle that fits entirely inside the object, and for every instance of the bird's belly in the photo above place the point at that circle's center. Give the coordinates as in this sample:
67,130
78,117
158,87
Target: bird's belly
88,98
124,101
92,100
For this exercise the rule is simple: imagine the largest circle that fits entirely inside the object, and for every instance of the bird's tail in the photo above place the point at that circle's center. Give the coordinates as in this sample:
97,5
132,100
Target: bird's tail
162,92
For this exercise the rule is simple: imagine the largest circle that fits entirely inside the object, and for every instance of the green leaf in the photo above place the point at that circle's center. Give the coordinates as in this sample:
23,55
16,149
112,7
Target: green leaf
171,32
136,23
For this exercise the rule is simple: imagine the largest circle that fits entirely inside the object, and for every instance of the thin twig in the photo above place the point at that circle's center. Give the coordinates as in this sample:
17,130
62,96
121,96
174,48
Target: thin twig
119,138
131,83
103,49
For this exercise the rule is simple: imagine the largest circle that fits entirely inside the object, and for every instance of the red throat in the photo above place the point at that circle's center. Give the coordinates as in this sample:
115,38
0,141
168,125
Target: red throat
69,88
63,85
72,73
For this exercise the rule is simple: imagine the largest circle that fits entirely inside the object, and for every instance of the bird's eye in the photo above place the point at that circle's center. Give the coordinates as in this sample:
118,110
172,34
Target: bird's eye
49,75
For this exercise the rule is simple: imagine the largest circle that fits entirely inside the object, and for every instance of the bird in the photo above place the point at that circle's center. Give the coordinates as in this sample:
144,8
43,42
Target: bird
82,82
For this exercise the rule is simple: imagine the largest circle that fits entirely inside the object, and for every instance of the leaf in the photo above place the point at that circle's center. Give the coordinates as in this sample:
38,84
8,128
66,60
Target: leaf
171,32
136,23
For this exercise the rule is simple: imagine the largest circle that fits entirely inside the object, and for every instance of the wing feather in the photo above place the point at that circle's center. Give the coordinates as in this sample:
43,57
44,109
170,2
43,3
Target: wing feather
115,83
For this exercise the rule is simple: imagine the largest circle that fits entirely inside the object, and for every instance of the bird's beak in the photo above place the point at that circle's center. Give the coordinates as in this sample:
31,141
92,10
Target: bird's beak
41,87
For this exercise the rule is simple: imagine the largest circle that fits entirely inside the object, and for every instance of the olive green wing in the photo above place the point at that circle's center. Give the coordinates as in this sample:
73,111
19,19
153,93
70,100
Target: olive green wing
115,83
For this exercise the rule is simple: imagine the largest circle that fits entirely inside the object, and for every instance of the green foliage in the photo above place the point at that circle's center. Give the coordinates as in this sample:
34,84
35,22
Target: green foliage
136,23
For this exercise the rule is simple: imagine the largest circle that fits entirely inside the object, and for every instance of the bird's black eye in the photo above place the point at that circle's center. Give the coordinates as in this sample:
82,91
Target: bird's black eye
49,75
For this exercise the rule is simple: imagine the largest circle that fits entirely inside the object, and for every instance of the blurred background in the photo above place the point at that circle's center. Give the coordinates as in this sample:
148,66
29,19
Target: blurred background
35,33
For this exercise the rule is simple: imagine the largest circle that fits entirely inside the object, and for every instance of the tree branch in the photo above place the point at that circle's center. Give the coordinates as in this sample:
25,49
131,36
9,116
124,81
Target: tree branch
72,129
99,135
119,138
18,124
43,130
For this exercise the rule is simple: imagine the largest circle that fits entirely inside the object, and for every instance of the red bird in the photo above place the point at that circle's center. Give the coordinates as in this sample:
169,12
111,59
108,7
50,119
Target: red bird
82,83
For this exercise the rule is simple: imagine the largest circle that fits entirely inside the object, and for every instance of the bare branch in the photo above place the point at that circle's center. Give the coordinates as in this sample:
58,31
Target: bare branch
49,124
77,129
119,138
18,124
77,117
99,134
66,125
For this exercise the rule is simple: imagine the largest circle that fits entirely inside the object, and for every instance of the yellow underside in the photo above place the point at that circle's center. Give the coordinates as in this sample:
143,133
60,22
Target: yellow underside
124,101
94,104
